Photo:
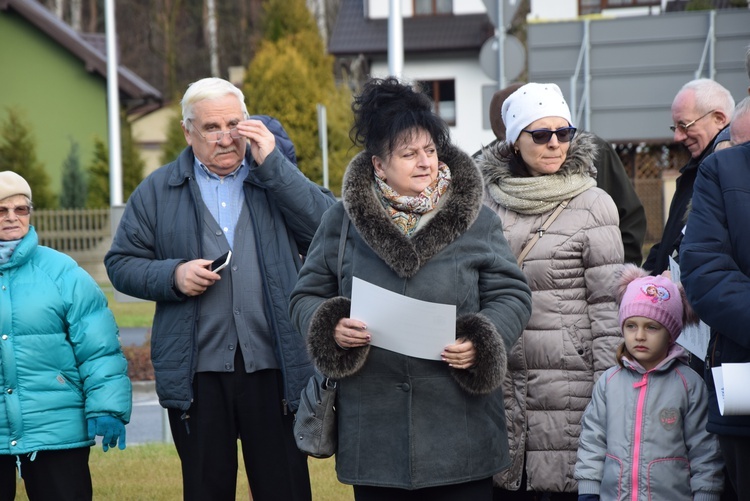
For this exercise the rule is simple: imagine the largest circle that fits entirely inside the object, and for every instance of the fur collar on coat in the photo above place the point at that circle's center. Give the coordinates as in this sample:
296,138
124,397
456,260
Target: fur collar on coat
494,160
458,211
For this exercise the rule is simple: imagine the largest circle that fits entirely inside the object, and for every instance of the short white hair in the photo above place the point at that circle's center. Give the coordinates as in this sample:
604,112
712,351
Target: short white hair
207,89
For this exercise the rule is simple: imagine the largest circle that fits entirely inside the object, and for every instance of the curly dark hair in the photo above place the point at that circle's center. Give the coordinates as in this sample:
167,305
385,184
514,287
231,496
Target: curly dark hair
385,109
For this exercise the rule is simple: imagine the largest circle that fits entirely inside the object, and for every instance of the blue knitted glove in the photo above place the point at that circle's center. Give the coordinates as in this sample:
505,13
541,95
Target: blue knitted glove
110,429
588,497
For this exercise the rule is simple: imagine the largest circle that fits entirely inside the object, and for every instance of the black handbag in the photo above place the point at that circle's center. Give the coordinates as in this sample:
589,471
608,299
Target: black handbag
315,422
315,425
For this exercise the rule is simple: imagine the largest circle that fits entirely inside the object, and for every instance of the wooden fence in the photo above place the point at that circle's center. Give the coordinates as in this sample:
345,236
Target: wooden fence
73,231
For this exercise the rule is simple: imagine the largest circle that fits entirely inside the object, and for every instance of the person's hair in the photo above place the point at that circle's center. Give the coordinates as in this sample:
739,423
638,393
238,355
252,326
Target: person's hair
710,95
28,200
622,351
741,112
386,109
207,89
496,105
516,165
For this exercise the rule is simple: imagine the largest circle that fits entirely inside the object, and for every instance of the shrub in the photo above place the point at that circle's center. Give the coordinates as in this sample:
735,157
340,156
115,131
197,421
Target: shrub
139,362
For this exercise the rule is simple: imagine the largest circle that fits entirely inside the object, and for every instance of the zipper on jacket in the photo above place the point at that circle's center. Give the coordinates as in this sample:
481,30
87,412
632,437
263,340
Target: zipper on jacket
185,416
641,387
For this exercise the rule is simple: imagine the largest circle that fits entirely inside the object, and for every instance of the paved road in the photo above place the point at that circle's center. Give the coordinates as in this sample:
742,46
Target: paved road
133,336
148,421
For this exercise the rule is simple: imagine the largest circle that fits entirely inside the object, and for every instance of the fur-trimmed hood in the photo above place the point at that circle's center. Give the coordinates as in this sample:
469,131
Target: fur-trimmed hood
495,158
406,255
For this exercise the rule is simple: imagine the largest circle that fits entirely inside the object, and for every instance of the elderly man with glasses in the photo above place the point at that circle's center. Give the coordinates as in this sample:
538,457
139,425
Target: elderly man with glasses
228,361
700,111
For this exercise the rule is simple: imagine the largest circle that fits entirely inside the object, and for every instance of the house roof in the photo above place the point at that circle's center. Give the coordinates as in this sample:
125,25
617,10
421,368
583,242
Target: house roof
354,34
138,93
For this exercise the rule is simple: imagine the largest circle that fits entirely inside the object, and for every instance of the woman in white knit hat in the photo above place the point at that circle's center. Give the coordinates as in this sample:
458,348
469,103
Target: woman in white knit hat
62,373
564,231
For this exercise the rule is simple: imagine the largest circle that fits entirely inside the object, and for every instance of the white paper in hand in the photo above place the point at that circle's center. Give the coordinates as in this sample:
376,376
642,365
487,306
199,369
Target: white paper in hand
402,324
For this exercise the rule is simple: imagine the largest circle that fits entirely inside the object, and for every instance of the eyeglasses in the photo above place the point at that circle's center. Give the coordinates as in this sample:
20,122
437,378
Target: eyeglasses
544,136
684,127
21,210
217,136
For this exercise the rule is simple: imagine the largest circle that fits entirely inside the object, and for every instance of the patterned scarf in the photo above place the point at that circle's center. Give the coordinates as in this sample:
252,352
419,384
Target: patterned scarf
6,249
406,211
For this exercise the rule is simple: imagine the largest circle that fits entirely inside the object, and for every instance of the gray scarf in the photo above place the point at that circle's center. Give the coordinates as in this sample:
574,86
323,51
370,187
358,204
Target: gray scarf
537,195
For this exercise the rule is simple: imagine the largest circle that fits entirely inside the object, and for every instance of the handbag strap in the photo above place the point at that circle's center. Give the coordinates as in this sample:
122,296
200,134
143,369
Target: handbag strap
342,246
540,232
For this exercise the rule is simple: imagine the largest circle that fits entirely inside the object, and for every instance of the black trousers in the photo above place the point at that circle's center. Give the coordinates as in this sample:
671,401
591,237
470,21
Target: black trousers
52,476
479,490
228,406
736,452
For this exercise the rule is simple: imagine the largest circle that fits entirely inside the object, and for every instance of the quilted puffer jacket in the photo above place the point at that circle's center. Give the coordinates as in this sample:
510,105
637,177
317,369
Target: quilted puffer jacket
60,356
572,335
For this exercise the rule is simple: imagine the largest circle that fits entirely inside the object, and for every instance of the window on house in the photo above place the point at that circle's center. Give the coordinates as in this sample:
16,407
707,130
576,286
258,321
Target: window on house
443,95
596,6
432,7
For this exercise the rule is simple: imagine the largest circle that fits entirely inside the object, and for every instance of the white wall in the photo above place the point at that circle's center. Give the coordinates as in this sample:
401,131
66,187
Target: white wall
468,133
555,10
378,9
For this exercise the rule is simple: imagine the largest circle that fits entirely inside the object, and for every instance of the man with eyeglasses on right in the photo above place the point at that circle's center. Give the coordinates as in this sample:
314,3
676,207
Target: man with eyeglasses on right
700,111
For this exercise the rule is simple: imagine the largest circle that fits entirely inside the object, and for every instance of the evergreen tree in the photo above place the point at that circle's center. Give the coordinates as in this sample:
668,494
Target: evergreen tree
18,154
74,189
98,186
132,169
290,74
175,143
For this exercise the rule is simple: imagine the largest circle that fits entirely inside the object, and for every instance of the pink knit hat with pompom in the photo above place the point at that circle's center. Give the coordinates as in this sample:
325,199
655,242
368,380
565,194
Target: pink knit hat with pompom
654,297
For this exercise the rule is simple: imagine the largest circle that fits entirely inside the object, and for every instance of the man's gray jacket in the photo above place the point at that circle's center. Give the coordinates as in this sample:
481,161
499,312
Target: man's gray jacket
161,228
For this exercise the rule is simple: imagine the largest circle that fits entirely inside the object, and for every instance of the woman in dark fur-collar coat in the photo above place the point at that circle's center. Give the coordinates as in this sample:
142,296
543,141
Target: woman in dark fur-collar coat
416,226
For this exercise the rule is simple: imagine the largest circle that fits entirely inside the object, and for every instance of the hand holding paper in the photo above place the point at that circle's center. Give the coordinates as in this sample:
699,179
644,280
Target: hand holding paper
402,324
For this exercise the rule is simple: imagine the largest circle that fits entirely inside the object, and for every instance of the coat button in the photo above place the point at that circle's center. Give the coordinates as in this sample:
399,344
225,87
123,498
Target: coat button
13,442
405,387
9,391
5,336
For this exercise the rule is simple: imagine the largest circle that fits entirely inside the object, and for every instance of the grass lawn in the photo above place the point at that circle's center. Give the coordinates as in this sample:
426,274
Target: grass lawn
152,472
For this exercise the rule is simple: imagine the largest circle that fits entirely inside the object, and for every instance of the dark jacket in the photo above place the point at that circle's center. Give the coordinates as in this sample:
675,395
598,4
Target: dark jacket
715,267
407,422
612,178
658,257
161,228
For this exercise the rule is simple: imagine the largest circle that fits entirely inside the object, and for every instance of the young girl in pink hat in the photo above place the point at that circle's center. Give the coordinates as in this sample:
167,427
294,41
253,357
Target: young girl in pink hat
644,433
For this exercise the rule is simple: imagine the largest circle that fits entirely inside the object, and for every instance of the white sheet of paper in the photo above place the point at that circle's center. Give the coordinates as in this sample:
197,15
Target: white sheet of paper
402,324
732,390
694,338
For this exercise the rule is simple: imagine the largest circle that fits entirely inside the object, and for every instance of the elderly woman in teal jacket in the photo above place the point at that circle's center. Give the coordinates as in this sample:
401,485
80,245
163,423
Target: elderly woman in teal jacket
62,372
411,428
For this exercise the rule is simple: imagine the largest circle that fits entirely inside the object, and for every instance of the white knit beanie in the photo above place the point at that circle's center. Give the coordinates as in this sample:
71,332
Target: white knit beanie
530,103
13,184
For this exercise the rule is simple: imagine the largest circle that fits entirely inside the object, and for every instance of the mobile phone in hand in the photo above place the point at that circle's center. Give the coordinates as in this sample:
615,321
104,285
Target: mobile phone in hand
221,262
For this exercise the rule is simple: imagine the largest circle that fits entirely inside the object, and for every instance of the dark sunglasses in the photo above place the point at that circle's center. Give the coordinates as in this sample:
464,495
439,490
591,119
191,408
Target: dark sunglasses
543,136
21,210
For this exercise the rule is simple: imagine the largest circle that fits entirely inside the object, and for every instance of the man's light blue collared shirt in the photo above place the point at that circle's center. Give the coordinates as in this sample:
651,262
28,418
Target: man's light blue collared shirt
224,197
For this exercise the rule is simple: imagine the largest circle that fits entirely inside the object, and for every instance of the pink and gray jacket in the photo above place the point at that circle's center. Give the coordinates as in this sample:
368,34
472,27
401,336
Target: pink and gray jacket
644,436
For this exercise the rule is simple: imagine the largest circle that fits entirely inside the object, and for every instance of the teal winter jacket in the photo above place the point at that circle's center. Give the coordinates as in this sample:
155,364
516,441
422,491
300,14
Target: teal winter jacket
60,356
